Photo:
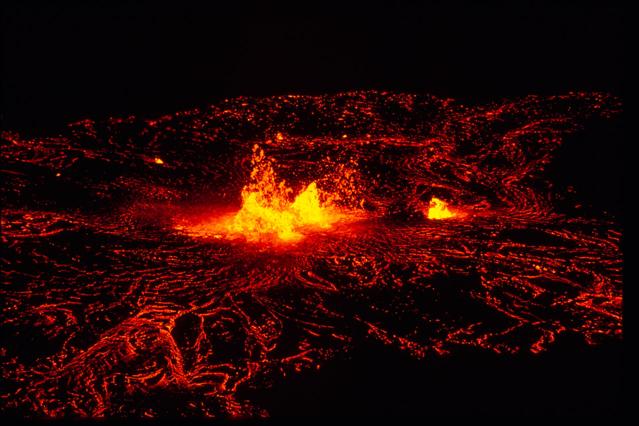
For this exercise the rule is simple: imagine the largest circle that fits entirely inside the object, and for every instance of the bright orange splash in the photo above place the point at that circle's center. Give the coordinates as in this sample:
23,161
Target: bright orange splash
267,211
438,209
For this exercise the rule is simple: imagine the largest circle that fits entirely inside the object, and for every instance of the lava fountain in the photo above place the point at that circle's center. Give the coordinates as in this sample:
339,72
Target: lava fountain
438,209
269,212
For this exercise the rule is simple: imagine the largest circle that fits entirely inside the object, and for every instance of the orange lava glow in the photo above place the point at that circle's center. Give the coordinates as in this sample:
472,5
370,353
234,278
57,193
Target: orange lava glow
267,210
268,213
171,268
438,209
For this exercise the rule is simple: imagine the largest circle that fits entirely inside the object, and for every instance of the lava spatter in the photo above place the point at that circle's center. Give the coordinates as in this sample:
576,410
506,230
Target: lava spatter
268,210
163,267
438,209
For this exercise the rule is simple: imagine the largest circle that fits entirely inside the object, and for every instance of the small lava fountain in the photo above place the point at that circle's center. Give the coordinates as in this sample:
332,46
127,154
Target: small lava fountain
438,209
269,212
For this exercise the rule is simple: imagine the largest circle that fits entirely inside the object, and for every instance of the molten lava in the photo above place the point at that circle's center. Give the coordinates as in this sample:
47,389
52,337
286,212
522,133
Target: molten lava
438,209
267,210
151,292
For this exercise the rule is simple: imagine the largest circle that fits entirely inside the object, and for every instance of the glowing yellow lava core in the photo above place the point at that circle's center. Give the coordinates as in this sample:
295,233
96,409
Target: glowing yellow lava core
438,209
267,210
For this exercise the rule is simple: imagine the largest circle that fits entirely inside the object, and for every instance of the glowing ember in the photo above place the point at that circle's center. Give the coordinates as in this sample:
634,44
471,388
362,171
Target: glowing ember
438,209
